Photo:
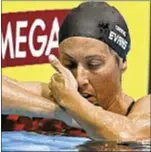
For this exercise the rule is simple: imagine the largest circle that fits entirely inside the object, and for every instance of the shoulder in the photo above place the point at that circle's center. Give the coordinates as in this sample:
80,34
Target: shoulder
141,107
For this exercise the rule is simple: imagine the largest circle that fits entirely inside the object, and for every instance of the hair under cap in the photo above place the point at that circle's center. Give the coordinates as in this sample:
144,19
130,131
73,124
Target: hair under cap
97,20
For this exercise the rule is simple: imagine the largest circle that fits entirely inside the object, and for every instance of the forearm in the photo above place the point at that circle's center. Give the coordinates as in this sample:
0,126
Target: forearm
99,123
38,88
16,100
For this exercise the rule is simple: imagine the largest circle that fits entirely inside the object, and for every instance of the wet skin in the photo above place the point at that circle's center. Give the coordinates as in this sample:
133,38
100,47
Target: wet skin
91,75
96,77
96,70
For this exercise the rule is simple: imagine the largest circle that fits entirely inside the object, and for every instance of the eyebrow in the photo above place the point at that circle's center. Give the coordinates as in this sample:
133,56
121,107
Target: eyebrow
69,56
94,56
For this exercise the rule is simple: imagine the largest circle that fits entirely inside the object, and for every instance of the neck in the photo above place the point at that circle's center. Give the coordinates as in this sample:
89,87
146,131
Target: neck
119,103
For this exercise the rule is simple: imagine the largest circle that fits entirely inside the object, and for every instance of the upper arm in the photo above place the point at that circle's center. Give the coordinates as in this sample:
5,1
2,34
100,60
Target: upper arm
141,107
140,114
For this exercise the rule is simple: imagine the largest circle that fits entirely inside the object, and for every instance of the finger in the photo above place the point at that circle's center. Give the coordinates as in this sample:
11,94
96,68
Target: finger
51,95
52,79
59,78
56,63
57,81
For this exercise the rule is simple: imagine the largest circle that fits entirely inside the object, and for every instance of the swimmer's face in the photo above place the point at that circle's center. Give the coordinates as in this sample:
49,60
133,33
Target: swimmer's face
94,66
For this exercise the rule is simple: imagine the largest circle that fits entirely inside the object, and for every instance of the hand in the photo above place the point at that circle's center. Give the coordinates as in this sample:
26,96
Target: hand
63,84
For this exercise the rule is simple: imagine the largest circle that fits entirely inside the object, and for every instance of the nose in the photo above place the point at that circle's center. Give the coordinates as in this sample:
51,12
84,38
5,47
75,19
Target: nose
81,77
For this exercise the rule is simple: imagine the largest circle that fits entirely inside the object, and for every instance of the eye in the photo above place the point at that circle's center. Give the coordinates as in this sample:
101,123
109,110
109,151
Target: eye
70,65
94,64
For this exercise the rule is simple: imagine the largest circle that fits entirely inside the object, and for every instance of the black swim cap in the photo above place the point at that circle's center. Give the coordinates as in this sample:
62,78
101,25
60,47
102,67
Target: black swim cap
97,20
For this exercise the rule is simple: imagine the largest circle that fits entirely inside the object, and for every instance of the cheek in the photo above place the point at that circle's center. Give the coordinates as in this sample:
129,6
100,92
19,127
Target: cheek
105,81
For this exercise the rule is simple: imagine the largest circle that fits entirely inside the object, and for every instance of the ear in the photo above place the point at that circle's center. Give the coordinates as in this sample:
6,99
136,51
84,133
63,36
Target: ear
123,66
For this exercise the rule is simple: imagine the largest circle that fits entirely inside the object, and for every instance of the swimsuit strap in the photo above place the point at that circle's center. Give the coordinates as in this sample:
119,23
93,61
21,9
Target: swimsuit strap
130,107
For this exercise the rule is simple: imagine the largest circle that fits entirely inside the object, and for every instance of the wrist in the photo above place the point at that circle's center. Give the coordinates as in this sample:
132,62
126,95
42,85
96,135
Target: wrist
70,99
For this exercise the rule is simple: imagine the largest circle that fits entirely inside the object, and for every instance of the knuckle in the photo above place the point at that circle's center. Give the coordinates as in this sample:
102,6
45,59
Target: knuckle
54,75
56,63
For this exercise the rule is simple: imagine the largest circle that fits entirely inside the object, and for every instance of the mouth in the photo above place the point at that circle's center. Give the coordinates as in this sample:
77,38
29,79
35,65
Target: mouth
91,98
86,95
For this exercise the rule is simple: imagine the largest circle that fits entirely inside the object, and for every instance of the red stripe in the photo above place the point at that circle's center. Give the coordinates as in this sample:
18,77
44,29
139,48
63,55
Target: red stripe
11,19
18,127
12,117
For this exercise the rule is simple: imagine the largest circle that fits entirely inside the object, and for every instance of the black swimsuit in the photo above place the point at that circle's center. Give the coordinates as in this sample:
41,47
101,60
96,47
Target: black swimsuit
130,107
